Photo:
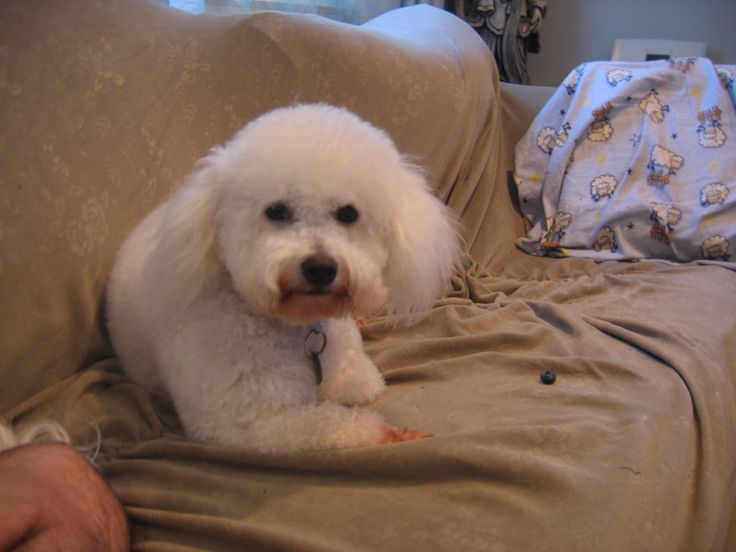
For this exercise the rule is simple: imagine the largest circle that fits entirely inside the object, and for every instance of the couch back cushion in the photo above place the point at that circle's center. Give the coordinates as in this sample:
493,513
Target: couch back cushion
108,105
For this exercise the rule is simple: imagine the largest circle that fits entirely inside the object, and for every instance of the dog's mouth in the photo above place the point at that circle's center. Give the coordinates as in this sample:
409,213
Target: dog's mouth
315,292
318,288
305,305
306,294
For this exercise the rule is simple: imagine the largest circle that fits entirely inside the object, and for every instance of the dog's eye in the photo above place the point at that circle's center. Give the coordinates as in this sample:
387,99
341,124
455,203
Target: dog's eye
279,212
347,214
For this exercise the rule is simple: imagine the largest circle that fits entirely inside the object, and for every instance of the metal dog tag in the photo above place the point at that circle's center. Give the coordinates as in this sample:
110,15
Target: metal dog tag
317,365
314,344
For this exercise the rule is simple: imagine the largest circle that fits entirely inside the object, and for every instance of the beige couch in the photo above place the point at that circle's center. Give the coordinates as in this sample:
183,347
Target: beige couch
105,106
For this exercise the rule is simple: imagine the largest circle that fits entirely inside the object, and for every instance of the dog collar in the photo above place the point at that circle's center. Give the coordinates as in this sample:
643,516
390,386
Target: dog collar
314,344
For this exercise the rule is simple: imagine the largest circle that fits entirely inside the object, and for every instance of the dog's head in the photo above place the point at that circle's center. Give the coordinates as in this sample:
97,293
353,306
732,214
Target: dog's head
309,213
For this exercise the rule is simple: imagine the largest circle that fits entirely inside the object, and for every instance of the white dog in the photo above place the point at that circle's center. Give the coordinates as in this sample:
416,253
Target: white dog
238,291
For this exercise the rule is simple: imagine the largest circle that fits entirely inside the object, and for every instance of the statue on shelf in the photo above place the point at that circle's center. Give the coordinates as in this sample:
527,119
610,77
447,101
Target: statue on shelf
510,28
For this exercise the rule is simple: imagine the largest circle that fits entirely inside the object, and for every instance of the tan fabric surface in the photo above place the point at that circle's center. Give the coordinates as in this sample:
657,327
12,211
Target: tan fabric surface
105,106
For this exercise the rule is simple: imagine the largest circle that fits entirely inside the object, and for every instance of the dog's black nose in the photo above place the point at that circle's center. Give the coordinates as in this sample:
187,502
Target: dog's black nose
319,270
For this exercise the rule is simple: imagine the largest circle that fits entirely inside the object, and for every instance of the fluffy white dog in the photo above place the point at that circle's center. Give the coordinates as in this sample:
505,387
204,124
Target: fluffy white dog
238,295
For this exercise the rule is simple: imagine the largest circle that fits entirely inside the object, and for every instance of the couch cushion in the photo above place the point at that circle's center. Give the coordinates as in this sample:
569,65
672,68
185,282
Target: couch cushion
631,448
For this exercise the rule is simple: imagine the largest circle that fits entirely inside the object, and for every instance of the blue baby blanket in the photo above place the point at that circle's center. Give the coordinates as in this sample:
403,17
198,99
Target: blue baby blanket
631,161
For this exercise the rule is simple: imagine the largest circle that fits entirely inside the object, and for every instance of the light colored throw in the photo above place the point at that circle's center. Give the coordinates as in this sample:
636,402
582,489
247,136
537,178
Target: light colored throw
633,160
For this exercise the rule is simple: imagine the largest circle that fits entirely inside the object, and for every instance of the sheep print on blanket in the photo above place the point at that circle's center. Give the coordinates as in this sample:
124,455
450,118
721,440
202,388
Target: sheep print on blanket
631,161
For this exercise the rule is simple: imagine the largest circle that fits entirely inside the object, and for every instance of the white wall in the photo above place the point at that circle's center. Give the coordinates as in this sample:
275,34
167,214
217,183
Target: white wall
575,31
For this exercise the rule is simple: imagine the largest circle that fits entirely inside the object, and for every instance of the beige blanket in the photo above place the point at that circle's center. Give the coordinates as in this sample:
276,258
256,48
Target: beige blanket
105,106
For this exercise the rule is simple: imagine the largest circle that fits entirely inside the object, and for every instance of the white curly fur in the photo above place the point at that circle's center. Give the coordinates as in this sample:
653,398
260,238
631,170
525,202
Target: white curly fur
209,301
44,431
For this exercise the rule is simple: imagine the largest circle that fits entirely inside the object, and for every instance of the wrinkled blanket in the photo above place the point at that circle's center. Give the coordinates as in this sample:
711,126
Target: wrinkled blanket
633,160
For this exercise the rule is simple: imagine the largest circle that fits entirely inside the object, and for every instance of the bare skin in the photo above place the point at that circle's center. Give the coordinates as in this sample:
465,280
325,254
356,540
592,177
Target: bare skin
53,499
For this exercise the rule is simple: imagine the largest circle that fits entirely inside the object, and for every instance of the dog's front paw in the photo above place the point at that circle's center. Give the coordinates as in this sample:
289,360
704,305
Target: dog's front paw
356,382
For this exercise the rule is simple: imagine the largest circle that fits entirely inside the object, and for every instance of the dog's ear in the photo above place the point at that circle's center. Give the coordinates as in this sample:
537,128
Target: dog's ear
185,257
423,247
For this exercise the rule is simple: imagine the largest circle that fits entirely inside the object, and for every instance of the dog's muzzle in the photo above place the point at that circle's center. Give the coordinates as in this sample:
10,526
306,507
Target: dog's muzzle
317,287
